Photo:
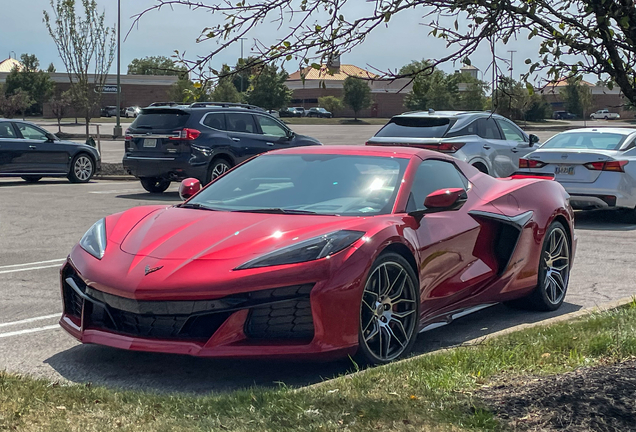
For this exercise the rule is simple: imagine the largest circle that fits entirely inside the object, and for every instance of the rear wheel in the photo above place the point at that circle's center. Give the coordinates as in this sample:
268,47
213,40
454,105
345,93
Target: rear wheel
218,167
389,311
554,272
31,179
481,167
82,169
155,184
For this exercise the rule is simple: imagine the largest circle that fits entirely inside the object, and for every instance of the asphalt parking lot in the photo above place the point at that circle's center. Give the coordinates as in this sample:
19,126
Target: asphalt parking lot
39,223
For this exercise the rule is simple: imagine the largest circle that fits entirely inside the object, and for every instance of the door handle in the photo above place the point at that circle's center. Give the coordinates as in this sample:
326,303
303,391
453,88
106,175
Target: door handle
236,139
32,147
486,146
269,143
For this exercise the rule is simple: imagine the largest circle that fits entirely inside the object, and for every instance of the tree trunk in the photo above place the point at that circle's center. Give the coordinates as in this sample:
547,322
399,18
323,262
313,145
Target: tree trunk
59,125
88,119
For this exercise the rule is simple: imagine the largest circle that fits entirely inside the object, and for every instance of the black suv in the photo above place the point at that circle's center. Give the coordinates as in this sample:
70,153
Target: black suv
202,140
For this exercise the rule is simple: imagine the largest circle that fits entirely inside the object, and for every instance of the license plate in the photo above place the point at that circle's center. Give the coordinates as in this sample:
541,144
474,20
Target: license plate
564,169
150,142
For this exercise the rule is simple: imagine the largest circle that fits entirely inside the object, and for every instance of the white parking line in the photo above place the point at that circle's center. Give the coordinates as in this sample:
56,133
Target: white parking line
32,263
29,268
33,330
28,320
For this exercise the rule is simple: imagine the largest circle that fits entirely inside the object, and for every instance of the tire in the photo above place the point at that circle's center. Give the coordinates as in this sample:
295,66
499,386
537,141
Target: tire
553,275
606,118
82,169
217,167
31,179
155,184
127,115
391,288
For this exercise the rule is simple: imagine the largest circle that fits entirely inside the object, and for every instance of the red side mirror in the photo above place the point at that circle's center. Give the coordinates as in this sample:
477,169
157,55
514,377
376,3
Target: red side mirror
445,198
189,187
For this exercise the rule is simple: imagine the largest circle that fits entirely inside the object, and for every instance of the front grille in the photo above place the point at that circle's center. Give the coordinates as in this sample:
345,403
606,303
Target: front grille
289,319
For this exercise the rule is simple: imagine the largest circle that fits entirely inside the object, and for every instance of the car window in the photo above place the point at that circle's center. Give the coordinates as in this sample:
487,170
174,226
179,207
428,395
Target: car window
239,122
510,131
271,127
6,130
487,128
432,175
215,121
415,127
471,129
586,140
31,132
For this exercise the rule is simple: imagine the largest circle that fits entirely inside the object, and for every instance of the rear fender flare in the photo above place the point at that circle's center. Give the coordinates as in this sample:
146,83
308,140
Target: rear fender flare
479,159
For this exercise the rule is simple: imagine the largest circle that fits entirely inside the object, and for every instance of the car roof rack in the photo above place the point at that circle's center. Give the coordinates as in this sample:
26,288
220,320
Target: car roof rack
160,104
225,105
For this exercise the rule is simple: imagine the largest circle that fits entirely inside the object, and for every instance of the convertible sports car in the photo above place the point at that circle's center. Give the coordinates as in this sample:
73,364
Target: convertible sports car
319,251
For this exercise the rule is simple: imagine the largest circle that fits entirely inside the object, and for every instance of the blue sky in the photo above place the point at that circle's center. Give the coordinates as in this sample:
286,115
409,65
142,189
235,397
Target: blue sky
160,33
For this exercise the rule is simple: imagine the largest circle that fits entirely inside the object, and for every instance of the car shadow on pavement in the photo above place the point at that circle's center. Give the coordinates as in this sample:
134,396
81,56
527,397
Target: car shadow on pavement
147,196
605,220
184,374
39,183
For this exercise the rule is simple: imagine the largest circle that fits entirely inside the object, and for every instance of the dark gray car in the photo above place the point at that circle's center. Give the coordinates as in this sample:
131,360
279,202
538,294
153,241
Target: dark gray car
30,152
491,143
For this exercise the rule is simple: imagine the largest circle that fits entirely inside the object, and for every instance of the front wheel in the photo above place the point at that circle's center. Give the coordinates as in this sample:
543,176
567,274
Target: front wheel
155,184
82,169
389,311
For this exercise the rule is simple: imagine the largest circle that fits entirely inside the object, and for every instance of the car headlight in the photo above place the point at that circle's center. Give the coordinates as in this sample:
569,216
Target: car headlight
94,241
308,250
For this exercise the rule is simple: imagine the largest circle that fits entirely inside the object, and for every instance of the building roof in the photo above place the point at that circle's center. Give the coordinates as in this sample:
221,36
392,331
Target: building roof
564,81
468,67
7,65
339,74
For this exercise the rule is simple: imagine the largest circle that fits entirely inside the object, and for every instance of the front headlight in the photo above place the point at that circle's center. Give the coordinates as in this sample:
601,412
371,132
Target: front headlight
308,250
94,241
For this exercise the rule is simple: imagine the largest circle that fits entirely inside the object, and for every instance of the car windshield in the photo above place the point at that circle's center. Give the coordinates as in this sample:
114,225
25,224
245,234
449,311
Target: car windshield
324,184
586,140
160,119
415,127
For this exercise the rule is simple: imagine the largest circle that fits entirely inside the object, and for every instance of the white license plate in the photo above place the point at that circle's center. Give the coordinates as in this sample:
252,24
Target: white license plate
564,169
150,142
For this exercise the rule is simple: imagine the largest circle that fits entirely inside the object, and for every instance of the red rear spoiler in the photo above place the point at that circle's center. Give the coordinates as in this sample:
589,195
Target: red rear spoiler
531,175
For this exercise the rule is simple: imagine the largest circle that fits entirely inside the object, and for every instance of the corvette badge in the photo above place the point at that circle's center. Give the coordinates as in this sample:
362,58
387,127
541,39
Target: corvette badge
152,270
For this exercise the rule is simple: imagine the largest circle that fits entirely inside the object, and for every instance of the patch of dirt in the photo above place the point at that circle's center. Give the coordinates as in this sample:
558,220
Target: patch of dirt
601,398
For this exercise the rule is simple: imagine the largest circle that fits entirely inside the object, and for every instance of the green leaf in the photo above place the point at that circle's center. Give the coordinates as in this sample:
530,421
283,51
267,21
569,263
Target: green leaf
528,61
530,88
287,44
315,65
289,57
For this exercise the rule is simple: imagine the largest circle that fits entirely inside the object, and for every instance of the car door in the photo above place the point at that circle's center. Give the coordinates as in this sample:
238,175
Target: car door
242,130
517,142
12,149
273,135
498,151
44,156
449,272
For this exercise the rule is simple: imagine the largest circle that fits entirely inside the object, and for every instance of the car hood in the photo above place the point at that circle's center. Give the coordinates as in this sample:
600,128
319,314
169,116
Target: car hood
193,234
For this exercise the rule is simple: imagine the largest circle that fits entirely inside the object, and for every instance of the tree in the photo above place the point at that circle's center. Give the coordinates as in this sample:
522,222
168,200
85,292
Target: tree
242,73
12,104
87,49
267,88
576,36
577,96
159,65
510,98
357,94
30,79
225,91
59,104
331,104
473,95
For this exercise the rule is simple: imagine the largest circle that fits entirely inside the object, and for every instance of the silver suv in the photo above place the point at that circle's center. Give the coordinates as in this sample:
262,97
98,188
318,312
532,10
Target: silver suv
491,143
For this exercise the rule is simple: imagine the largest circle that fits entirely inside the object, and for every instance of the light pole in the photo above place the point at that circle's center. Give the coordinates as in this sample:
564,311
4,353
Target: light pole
511,54
117,129
241,74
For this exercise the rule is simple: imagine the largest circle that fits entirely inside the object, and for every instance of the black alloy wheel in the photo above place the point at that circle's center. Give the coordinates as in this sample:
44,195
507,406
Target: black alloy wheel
389,311
82,169
155,184
31,179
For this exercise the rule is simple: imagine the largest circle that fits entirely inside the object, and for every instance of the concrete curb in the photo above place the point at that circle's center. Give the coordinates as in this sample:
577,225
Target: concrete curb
558,319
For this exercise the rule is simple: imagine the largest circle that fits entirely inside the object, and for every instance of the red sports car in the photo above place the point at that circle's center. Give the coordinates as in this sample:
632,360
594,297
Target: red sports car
319,251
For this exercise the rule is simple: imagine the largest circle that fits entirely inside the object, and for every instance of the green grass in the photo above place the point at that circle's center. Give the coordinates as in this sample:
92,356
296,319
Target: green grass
430,392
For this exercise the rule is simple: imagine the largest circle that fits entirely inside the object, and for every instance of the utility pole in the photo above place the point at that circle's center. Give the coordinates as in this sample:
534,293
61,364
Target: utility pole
511,54
241,73
117,129
494,66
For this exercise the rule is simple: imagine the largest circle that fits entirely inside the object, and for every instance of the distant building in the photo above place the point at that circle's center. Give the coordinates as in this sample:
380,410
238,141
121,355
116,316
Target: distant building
309,84
470,70
7,65
602,97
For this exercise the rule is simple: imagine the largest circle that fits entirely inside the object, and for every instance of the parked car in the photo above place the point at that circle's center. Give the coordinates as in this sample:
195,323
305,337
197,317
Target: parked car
319,112
289,112
162,104
30,152
597,167
300,110
202,140
563,115
604,114
273,113
489,142
132,112
319,251
108,111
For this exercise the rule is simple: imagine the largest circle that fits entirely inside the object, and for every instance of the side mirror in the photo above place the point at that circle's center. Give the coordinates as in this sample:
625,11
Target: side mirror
533,139
445,199
50,137
188,188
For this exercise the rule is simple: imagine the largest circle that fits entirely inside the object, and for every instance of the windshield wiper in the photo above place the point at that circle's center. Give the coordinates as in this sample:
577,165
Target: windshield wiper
195,206
276,211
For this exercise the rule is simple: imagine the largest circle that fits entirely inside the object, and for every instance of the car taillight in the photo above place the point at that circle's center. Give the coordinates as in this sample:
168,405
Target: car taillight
530,163
186,134
127,135
607,166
